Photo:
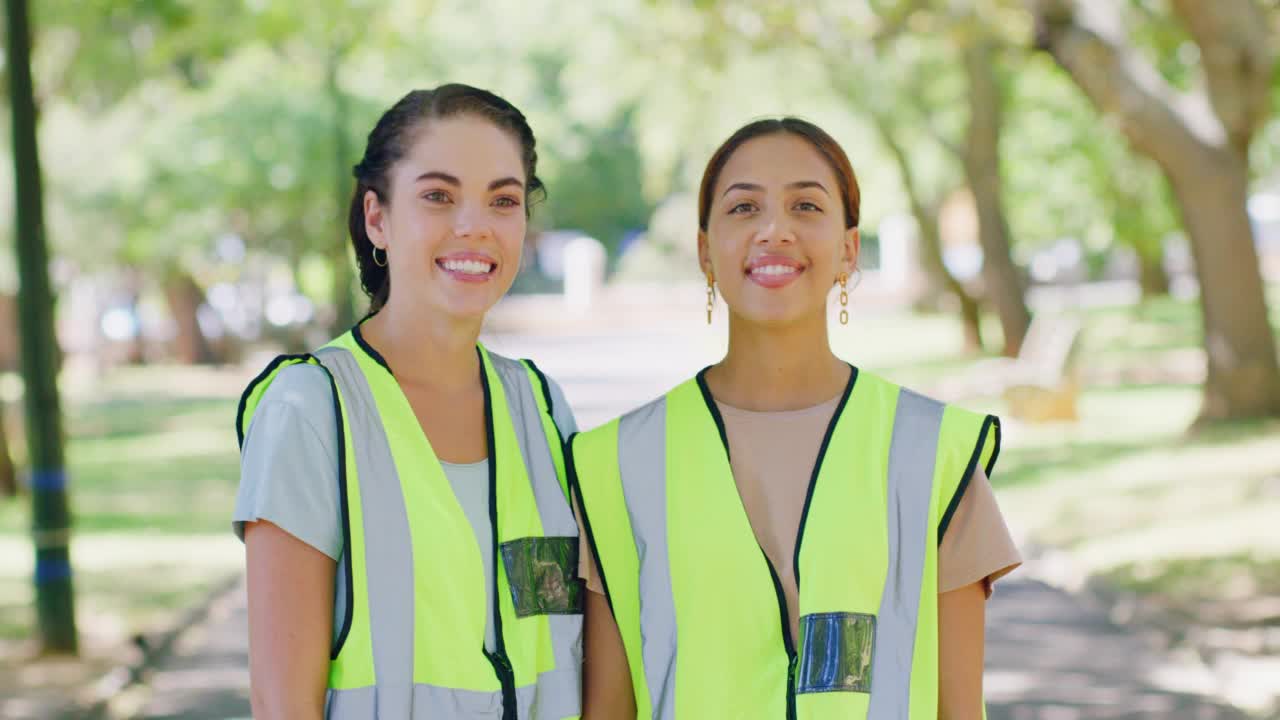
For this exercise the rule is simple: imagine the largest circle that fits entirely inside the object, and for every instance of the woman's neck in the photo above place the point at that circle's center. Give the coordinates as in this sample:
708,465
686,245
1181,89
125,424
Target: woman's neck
777,368
425,348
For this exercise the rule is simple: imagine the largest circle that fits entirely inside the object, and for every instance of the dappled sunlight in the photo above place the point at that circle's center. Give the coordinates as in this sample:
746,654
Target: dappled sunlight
1015,195
184,555
186,443
1049,659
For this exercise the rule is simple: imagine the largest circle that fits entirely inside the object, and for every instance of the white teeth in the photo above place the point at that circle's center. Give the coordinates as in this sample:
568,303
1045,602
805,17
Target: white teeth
470,267
774,270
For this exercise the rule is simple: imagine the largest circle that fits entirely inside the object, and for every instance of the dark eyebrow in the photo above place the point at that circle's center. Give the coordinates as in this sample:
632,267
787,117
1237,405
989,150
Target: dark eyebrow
454,181
742,186
504,182
802,184
798,185
437,175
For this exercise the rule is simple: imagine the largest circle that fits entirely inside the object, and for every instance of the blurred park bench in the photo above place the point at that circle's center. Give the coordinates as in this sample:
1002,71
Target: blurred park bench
1042,383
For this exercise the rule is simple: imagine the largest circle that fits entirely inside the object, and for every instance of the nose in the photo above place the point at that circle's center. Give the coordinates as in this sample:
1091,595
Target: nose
774,229
469,223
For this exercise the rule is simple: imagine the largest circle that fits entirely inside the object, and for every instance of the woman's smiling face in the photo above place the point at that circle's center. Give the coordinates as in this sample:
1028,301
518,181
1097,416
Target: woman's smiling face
775,238
455,225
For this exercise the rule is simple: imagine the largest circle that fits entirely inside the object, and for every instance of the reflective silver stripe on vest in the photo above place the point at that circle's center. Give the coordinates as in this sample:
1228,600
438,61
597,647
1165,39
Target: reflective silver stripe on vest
642,462
553,509
912,453
541,701
388,550
390,577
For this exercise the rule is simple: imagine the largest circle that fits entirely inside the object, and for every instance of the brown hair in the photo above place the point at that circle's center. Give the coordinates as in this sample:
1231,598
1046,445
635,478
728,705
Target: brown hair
821,141
390,140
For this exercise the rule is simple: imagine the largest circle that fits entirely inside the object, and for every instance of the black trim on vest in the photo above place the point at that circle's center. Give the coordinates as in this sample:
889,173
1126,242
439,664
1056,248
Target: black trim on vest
546,396
368,349
546,386
498,658
817,468
253,384
995,452
575,490
991,422
713,408
341,638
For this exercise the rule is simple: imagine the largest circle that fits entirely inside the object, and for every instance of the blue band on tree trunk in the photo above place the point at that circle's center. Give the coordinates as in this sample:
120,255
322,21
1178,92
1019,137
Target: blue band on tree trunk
50,570
48,480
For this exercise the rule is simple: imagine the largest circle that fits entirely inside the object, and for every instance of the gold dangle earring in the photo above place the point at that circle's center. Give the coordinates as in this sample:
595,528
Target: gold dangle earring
374,253
711,296
844,298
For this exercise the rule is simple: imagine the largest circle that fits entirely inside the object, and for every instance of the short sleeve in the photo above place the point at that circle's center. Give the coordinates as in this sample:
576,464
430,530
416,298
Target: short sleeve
561,412
977,545
289,461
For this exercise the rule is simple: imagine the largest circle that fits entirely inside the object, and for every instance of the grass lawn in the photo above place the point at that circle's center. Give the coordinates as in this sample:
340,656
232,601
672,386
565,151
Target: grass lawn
153,469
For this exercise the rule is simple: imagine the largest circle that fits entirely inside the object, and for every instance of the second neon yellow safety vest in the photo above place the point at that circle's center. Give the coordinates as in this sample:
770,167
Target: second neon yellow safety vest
699,606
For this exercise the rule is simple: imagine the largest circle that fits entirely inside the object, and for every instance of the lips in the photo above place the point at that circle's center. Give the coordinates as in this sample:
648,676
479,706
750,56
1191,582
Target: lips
468,267
773,271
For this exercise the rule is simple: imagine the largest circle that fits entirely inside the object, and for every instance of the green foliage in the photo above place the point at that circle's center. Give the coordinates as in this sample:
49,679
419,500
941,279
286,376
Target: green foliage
170,124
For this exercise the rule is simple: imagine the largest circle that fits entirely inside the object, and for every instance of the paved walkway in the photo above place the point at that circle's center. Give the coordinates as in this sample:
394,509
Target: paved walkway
1051,656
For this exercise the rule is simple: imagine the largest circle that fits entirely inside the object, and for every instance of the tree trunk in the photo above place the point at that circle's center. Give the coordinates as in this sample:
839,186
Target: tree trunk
51,517
931,244
982,169
8,478
1152,277
1243,379
8,333
344,313
926,217
191,347
1201,143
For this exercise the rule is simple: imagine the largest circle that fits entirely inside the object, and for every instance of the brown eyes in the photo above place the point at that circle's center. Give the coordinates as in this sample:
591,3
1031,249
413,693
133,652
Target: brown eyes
746,207
441,197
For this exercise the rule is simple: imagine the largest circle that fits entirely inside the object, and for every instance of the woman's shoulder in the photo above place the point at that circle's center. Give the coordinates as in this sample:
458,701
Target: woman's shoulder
301,386
292,394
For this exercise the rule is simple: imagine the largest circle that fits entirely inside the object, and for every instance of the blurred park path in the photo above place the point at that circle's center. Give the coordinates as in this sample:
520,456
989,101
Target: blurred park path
1049,657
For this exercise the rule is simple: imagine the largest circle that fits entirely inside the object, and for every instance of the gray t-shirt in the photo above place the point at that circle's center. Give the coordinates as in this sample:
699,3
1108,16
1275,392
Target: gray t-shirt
289,474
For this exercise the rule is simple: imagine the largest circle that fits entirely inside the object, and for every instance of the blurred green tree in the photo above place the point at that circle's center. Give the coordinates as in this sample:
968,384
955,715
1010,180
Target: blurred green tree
1200,138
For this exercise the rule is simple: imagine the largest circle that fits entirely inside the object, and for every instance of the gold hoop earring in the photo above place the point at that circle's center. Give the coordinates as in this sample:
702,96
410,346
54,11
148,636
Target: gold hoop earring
375,256
844,298
711,296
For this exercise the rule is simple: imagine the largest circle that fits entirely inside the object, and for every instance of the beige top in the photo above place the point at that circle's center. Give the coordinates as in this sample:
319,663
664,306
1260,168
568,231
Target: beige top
772,455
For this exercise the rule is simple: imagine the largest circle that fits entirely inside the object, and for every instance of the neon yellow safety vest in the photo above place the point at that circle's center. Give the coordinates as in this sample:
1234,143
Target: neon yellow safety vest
412,643
699,606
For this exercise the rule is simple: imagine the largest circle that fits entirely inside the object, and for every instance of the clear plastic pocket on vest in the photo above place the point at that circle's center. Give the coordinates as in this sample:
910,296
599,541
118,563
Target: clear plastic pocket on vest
835,652
543,575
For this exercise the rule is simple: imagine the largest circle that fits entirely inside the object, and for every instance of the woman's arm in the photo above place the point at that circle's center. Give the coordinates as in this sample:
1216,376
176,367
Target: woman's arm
290,623
606,676
961,644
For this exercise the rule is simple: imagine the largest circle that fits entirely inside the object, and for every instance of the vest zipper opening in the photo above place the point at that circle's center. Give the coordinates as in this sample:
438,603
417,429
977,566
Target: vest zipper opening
787,639
784,615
